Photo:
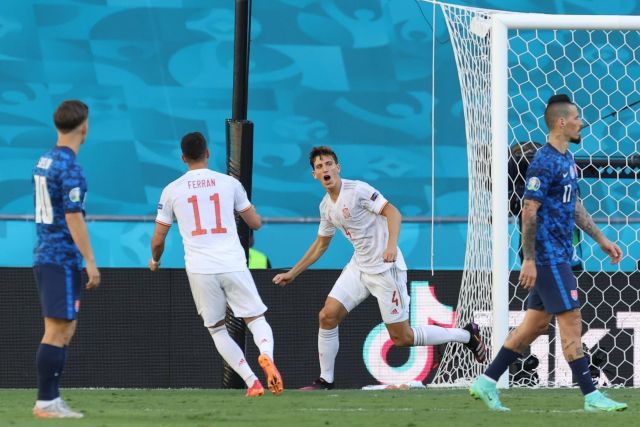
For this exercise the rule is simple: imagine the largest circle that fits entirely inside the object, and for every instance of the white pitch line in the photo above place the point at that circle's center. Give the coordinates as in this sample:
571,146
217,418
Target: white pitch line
356,410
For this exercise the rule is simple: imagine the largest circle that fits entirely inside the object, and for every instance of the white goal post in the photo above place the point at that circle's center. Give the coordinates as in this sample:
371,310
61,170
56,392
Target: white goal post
508,65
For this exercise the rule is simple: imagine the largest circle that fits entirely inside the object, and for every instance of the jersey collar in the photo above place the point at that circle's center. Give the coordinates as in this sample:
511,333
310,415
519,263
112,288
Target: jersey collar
67,149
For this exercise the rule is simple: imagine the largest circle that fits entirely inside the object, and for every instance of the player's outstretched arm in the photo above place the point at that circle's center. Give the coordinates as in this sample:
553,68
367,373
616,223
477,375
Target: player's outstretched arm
585,223
157,245
528,271
251,217
80,236
315,251
394,220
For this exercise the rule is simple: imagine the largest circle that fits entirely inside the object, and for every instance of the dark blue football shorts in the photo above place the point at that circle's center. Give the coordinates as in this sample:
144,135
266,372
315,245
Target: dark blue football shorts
556,289
59,289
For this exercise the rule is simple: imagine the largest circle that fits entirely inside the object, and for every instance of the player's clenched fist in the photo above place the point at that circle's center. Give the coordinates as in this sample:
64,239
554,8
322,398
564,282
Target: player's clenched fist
283,279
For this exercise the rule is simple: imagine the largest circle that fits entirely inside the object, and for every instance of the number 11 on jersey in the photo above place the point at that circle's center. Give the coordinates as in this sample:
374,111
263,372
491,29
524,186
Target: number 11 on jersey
215,198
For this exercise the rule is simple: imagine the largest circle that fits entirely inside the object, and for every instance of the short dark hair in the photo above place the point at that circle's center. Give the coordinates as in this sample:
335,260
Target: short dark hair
322,150
557,106
70,114
194,146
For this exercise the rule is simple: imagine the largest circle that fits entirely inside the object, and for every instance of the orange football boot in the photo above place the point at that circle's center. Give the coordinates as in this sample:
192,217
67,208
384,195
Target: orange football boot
274,380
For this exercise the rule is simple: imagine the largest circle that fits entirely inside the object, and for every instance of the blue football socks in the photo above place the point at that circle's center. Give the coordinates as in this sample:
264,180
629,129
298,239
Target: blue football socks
501,362
50,361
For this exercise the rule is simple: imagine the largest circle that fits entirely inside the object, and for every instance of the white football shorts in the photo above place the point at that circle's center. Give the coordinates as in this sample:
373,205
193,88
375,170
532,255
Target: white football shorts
212,293
389,288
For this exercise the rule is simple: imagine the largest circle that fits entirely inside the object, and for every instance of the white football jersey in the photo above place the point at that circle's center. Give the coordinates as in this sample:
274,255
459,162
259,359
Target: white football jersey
357,214
203,202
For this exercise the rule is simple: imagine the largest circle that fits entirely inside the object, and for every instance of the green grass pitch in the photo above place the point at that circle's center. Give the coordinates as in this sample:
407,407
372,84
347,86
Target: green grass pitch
409,408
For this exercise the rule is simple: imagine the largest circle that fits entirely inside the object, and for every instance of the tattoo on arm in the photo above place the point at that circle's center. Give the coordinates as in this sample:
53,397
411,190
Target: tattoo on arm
585,222
529,228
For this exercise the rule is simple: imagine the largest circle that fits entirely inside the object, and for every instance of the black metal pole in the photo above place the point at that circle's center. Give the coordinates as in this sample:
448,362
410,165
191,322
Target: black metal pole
242,40
239,132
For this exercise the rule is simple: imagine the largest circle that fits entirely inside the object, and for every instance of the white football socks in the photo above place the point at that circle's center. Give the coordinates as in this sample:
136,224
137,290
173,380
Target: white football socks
232,354
328,345
434,335
262,335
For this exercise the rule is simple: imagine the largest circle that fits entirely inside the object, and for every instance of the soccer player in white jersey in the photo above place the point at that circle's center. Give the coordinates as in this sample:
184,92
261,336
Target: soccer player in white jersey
377,268
204,202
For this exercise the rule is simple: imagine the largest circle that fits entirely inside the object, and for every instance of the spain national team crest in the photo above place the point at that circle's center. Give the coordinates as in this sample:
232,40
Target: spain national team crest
574,294
345,213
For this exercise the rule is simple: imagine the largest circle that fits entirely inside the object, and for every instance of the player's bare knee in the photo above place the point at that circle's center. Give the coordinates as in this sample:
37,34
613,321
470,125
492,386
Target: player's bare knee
328,319
570,324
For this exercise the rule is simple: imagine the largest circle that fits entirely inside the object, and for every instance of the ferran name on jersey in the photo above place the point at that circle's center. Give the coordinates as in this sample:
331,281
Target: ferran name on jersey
202,183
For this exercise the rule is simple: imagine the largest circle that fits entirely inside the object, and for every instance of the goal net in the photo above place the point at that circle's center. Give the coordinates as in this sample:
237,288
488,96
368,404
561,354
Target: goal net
509,64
